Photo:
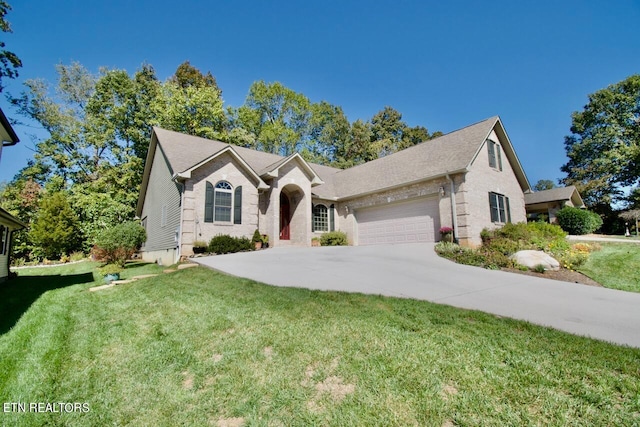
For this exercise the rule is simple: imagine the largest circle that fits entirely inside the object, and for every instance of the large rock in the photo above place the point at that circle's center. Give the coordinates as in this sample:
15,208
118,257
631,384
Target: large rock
531,259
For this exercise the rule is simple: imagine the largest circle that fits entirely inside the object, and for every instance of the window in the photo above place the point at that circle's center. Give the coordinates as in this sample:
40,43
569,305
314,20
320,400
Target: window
3,239
222,202
495,157
320,218
499,205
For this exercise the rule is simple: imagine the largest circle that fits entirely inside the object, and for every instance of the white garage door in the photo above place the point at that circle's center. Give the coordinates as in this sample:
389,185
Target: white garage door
409,222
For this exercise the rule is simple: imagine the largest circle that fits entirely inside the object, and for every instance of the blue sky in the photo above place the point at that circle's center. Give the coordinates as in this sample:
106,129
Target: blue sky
443,65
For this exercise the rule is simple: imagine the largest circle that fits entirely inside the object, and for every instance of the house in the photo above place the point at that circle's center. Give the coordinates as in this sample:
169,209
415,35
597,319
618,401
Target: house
8,223
194,189
548,202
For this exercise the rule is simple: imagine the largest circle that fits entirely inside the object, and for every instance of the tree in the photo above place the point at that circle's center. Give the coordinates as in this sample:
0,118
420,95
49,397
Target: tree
187,75
328,131
55,230
388,129
9,61
544,184
604,148
192,110
358,148
277,116
632,215
21,199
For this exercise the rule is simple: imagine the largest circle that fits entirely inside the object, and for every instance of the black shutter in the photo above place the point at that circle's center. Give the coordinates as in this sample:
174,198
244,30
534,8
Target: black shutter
499,157
332,219
508,209
493,206
208,203
313,218
237,206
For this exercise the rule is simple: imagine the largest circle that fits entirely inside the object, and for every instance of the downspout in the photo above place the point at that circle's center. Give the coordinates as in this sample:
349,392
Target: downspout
454,215
179,239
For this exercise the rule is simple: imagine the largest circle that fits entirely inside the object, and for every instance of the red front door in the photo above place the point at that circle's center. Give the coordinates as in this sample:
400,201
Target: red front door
285,219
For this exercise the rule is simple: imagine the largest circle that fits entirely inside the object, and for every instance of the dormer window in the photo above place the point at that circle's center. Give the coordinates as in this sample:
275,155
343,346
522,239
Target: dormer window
495,158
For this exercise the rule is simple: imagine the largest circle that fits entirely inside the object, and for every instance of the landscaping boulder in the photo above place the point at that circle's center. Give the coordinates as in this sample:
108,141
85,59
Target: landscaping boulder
531,259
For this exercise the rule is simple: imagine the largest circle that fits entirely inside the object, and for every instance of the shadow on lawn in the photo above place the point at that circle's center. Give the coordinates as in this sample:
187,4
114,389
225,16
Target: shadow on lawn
17,295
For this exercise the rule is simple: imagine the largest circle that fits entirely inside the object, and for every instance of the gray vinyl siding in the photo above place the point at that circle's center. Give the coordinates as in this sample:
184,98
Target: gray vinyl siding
161,211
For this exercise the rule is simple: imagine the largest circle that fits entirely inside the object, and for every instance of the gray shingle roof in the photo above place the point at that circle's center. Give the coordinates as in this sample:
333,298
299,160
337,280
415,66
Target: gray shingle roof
451,152
552,195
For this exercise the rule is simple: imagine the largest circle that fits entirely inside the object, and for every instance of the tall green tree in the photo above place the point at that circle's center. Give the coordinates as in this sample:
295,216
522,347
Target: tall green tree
55,229
9,61
187,75
192,110
328,130
388,129
544,184
277,116
604,145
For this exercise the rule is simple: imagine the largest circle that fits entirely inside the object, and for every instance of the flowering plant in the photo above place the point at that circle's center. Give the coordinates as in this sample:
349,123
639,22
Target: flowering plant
445,230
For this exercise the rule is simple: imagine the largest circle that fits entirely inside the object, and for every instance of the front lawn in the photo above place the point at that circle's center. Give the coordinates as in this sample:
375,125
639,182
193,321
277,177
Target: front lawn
198,348
616,266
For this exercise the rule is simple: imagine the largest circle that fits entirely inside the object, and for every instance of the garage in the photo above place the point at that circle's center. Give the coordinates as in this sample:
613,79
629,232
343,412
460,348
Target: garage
407,222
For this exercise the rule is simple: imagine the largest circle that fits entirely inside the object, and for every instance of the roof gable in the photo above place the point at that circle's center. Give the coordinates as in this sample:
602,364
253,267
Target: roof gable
555,195
508,150
448,154
229,150
271,171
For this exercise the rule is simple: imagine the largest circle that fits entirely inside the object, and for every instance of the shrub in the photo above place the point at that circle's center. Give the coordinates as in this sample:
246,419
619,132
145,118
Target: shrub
578,221
117,244
225,244
110,269
199,247
76,256
257,237
334,238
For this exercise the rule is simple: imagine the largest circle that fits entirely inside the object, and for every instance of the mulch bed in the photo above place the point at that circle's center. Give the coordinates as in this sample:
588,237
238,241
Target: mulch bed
562,274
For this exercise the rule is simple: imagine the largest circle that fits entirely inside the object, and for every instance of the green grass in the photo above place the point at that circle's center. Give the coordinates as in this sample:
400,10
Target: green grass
616,266
200,348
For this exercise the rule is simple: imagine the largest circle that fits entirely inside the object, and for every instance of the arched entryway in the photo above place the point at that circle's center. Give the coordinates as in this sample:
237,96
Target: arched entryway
285,217
294,216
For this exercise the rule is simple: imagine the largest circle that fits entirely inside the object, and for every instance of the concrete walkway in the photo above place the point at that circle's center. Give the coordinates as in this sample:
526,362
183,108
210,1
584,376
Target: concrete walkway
596,238
415,271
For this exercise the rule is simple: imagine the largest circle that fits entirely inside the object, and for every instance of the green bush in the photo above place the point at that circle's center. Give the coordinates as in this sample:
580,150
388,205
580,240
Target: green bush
225,244
334,238
578,221
117,244
55,231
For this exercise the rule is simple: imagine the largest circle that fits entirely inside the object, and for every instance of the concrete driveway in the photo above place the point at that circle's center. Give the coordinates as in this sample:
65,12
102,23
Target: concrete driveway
415,271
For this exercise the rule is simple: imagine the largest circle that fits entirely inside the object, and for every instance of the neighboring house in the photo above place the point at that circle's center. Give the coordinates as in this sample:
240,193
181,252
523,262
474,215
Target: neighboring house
548,202
194,189
8,223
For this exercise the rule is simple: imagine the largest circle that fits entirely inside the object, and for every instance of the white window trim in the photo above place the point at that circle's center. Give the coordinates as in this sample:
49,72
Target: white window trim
326,218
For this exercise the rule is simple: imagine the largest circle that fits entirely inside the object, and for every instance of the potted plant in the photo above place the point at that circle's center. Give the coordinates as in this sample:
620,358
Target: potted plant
257,239
265,241
447,234
315,241
110,272
199,247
